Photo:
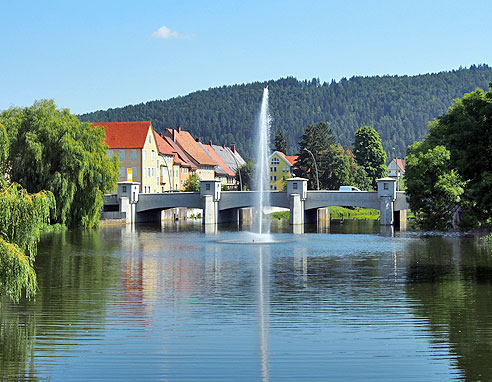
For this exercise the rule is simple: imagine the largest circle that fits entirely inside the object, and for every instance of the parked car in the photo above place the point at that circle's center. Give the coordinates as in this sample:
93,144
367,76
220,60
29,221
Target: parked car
348,188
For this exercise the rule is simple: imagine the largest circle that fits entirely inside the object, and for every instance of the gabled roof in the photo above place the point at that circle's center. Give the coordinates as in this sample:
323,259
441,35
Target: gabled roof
400,163
190,146
164,146
125,135
179,156
220,162
229,156
290,159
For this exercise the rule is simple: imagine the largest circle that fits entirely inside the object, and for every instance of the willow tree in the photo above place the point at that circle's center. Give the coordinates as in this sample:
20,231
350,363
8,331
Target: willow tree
21,217
51,149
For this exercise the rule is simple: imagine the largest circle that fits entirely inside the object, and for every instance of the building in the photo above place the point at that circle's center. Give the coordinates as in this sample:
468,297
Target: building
396,167
222,171
136,147
198,156
281,168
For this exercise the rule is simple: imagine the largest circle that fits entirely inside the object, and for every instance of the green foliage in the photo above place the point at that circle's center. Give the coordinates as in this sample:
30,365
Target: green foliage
399,106
354,213
315,140
280,215
280,142
247,175
21,218
369,153
192,184
51,149
464,180
434,188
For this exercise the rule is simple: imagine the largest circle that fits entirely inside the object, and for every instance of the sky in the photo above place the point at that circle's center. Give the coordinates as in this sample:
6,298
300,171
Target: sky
94,55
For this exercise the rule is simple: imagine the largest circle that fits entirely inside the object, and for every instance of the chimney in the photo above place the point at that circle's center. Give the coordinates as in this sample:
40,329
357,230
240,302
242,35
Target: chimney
223,145
210,142
179,129
198,140
233,148
174,136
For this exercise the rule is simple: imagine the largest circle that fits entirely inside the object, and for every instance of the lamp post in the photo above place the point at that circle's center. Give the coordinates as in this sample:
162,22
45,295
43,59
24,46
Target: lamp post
239,170
315,167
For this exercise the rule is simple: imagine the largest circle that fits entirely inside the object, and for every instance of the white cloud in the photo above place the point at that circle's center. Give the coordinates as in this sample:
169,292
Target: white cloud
165,33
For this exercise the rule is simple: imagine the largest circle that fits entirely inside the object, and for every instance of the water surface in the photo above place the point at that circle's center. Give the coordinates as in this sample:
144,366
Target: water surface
173,303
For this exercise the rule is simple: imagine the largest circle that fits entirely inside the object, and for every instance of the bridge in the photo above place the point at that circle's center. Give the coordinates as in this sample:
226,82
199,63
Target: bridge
224,207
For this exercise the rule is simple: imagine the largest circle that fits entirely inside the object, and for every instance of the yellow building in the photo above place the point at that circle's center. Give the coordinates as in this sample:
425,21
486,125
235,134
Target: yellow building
281,167
136,147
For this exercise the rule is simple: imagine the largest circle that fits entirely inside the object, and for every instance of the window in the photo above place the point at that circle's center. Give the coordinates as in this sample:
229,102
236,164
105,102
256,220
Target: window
152,156
134,170
150,138
275,161
274,177
271,177
274,187
110,153
133,155
124,188
145,154
122,172
148,172
275,169
271,187
122,154
385,186
295,186
207,186
153,171
157,180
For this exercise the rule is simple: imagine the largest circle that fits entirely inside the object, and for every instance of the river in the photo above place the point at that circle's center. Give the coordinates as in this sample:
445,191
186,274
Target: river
172,303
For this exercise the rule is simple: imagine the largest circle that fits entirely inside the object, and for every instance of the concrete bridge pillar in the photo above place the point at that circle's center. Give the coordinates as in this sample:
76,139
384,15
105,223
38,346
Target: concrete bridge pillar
297,192
210,193
387,197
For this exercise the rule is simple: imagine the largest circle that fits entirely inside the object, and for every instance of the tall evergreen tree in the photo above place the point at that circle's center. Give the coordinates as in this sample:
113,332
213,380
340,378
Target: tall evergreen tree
369,153
314,141
280,142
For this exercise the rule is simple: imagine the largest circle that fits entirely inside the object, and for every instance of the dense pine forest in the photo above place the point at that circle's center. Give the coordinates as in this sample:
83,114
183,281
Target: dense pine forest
399,108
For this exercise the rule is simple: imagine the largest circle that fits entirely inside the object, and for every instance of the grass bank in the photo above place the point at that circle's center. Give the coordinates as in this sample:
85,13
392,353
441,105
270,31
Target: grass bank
339,213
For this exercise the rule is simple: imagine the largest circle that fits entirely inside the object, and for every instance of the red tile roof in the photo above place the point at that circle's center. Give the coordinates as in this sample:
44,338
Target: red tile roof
219,161
191,147
125,135
288,158
164,146
180,156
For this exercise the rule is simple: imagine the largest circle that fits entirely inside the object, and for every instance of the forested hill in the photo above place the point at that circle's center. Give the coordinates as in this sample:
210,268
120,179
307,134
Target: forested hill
399,107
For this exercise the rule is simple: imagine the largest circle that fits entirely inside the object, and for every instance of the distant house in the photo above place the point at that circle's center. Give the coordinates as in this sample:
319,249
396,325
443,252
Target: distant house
396,167
204,163
280,166
222,171
136,147
175,166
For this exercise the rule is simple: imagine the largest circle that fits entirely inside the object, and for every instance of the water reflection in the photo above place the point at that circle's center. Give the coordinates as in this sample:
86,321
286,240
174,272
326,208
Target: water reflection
176,303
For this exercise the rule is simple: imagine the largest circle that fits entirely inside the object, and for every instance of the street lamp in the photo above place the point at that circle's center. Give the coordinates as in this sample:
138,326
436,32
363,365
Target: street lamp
315,167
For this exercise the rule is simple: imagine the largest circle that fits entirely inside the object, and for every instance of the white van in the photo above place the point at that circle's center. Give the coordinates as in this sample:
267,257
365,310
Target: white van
348,188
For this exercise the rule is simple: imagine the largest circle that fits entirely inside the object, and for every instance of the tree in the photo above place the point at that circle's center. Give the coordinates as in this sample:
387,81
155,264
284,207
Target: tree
21,218
465,134
466,131
316,138
369,153
248,175
434,188
280,142
51,149
192,184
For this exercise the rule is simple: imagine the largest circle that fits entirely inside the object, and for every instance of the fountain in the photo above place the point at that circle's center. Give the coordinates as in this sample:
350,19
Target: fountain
261,173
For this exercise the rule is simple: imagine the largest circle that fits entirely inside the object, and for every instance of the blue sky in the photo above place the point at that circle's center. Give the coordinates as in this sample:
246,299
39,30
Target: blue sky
92,55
